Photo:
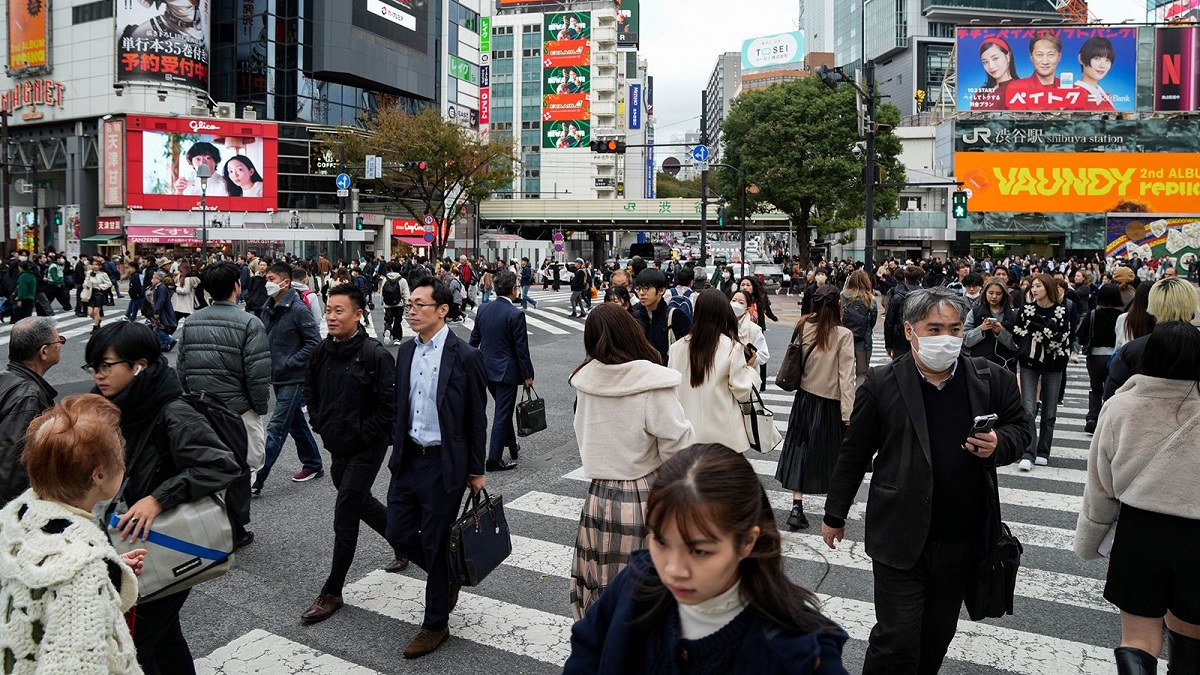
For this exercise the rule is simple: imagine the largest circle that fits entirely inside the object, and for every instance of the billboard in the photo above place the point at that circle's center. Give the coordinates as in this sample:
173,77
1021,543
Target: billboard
1077,134
629,22
401,21
1175,11
635,106
28,37
163,155
1176,73
163,43
1042,69
1082,182
1153,235
573,134
773,50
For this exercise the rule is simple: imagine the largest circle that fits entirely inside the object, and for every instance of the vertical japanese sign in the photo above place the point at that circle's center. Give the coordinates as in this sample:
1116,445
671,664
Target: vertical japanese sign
28,37
71,228
114,163
635,106
166,43
485,34
1176,75
566,79
485,95
650,169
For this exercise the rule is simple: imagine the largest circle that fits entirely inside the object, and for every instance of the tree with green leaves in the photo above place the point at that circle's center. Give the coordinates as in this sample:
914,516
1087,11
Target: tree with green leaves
459,168
671,187
794,141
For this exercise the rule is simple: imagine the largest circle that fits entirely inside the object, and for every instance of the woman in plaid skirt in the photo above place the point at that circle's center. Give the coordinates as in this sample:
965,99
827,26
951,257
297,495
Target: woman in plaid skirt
628,421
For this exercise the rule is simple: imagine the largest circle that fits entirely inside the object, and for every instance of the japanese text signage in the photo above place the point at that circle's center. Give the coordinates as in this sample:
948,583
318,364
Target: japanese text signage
165,42
113,162
109,225
485,34
464,70
635,106
1044,69
566,85
773,50
28,37
485,105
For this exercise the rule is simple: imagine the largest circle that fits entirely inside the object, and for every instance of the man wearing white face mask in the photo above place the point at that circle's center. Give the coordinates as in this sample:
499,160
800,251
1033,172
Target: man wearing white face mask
933,497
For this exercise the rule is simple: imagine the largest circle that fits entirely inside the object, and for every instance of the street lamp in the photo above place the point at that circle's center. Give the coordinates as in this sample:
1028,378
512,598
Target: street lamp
203,172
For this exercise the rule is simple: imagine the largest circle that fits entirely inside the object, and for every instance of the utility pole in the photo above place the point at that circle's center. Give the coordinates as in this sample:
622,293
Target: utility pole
869,168
7,180
342,205
36,231
704,183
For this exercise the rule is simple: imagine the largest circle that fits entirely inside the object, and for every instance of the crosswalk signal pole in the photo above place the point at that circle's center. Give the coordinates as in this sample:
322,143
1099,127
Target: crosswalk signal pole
342,205
704,185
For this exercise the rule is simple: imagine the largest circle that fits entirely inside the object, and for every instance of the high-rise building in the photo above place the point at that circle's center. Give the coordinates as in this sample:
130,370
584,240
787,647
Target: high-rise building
723,85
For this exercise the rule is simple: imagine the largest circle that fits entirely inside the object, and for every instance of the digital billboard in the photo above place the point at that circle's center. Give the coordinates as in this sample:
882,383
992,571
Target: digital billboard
1045,69
28,37
566,79
773,50
165,42
629,22
1176,73
573,134
1153,235
401,21
1176,11
1082,182
164,154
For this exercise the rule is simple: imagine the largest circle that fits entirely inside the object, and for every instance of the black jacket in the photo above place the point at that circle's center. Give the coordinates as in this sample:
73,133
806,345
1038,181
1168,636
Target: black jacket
350,391
655,325
896,435
893,322
23,396
171,451
292,334
1124,364
255,293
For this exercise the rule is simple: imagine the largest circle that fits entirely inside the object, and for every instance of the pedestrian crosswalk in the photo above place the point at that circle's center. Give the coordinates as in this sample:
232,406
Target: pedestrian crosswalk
1061,624
69,325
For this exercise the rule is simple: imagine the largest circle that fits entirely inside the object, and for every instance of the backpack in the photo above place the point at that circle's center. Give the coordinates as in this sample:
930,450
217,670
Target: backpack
857,316
391,292
467,278
304,296
229,425
681,301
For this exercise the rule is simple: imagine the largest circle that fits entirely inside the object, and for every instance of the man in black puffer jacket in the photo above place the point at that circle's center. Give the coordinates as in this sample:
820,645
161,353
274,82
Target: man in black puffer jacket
351,391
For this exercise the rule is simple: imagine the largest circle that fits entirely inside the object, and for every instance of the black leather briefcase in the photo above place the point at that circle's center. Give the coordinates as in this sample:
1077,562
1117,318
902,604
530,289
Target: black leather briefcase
531,413
479,539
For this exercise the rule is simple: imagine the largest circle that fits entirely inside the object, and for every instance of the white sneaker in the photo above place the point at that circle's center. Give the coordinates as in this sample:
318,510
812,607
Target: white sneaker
1041,461
1025,465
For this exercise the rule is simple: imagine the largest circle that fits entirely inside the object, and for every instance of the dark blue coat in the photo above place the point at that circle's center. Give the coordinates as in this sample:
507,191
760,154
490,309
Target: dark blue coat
501,335
163,308
292,334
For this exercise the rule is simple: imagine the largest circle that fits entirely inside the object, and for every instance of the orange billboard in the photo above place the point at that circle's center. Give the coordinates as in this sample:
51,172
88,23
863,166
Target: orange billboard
1080,182
28,37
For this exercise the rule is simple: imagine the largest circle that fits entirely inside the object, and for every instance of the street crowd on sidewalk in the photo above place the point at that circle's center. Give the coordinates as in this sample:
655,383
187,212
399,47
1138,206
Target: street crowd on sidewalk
678,561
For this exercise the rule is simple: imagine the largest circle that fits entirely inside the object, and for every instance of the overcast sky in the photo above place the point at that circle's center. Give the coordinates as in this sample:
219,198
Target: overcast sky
681,41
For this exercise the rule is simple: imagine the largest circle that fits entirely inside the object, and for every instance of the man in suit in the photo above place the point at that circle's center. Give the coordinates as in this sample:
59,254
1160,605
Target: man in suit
440,433
933,491
500,333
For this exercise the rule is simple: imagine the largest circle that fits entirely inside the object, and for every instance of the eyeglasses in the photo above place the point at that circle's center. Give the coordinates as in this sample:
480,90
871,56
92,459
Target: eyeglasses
103,368
421,305
62,340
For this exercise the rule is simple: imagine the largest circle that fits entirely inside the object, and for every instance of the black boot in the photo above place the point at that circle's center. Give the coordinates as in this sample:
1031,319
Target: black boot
1183,654
1089,425
796,519
1133,661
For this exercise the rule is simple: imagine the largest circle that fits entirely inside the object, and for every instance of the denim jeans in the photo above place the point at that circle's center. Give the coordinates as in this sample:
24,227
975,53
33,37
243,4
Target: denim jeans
135,308
289,418
1051,382
525,299
487,297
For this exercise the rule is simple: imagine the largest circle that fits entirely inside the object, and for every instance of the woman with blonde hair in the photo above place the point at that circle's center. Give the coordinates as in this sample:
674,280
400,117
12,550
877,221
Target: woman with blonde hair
1168,300
64,586
859,315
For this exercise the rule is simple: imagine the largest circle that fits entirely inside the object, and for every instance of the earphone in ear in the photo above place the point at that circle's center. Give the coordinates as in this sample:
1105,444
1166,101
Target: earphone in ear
137,371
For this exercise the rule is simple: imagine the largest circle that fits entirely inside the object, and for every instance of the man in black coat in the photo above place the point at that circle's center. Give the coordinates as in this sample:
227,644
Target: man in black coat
34,348
930,516
893,331
440,435
502,336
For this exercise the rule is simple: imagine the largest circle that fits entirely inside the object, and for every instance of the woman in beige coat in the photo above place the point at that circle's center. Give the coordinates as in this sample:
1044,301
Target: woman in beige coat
822,406
718,372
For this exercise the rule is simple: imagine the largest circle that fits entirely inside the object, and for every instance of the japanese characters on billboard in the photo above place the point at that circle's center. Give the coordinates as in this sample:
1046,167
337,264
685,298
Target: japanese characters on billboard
773,50
574,134
1176,73
1153,236
165,155
163,41
1043,69
629,23
566,72
1081,182
28,37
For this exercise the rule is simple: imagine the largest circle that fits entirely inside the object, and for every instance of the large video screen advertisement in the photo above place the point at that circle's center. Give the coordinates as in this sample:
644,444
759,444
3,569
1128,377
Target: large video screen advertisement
28,37
165,156
566,80
163,42
1047,69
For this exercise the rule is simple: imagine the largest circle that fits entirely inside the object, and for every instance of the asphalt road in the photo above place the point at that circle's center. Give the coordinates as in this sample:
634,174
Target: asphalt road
518,620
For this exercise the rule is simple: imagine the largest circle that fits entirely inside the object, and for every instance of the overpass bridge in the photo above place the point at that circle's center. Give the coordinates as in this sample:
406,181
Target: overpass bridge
608,215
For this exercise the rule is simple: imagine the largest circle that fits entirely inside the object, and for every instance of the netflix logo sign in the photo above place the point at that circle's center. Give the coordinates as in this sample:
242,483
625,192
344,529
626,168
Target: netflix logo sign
1176,71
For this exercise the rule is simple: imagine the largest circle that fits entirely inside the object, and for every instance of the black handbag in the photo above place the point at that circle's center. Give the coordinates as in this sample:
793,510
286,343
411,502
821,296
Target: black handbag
479,539
531,413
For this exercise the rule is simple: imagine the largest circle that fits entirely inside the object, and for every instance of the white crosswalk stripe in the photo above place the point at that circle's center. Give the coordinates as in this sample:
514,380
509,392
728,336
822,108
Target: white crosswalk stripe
1038,506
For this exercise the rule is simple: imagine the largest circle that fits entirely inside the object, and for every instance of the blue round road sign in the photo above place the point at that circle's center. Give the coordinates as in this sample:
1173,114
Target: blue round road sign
428,219
343,181
429,237
558,248
700,153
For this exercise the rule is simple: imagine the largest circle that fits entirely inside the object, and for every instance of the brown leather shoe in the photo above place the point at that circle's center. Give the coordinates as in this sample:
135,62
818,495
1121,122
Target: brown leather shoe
426,642
398,565
322,608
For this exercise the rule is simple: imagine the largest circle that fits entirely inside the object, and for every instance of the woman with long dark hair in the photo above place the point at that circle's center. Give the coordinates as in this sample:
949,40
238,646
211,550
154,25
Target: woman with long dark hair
858,298
718,372
1043,331
821,409
1142,473
712,587
759,311
987,331
242,178
1137,320
627,422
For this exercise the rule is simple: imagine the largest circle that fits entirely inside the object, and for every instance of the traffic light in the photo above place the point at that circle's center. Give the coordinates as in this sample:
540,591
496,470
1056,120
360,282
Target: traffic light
722,216
611,146
58,218
960,204
358,223
919,96
417,166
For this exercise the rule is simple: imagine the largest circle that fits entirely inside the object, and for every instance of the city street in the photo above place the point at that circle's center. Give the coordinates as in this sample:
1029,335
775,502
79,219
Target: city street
518,620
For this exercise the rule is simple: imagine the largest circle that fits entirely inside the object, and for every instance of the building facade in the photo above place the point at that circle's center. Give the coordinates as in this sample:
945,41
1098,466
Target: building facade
723,85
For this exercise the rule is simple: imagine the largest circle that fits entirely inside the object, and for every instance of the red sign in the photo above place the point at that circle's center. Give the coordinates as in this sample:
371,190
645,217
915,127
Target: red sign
114,162
485,105
164,156
565,53
412,228
561,107
108,226
148,234
33,93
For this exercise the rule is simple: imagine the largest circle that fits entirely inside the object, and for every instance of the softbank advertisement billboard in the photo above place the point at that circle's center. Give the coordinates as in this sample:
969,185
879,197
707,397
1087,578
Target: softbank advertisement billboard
164,156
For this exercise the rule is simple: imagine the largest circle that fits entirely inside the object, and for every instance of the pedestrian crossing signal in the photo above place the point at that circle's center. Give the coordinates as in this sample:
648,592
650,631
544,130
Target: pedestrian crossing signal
358,223
960,204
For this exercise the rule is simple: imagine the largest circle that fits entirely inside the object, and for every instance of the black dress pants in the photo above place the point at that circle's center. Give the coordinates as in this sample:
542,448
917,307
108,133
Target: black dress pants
353,477
161,647
504,433
419,514
1097,367
916,610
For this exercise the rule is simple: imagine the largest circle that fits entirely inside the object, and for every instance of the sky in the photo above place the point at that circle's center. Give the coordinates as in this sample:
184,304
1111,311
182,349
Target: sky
681,40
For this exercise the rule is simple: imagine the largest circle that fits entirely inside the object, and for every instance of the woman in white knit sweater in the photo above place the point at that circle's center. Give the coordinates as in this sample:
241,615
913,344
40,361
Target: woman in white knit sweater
627,423
65,587
1144,467
718,372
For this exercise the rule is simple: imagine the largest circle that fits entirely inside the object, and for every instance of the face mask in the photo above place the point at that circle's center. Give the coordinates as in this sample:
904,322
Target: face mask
972,296
272,289
729,275
738,309
22,258
938,352
820,281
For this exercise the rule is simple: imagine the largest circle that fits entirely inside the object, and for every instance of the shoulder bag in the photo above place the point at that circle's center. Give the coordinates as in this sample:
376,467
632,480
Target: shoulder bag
531,413
760,424
479,539
791,369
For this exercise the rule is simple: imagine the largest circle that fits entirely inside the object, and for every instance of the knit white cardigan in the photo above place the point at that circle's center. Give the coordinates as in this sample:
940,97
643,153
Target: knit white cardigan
66,616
